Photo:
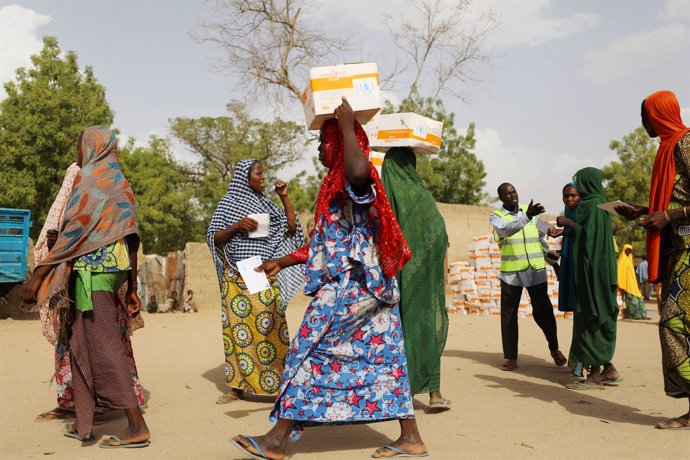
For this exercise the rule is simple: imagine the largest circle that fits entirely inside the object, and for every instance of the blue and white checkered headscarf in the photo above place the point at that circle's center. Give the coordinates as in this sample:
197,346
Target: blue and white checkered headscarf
240,201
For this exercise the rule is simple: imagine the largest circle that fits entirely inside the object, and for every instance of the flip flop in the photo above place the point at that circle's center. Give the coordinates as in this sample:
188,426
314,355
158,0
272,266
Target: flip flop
261,454
679,424
399,453
229,397
611,382
583,386
55,414
70,432
122,444
440,405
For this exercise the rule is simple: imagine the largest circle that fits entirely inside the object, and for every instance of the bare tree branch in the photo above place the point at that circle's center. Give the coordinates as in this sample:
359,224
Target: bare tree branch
445,43
268,44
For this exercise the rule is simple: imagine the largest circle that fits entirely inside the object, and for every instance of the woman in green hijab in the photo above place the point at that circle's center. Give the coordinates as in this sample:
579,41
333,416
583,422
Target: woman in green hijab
596,309
422,283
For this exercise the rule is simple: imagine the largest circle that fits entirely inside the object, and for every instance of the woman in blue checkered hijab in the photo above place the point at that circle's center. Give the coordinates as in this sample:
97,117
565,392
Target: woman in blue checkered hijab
255,333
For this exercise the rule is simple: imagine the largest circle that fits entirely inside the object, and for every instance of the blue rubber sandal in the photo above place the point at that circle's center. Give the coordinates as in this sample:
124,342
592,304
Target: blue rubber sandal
400,453
261,456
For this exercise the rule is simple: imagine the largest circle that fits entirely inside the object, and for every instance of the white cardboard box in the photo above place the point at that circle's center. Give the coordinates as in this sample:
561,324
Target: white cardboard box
421,134
359,83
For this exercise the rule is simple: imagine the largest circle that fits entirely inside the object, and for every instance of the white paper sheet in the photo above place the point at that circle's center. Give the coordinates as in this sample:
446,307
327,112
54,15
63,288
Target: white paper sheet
255,281
611,205
264,221
544,226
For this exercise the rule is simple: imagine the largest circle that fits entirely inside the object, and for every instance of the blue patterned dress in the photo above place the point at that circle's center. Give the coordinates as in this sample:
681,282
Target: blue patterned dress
347,362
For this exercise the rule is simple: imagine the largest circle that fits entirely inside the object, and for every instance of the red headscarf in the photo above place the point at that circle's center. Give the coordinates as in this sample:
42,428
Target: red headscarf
393,248
663,112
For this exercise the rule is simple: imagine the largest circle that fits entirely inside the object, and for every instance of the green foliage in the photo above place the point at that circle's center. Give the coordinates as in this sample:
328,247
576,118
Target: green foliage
304,188
222,141
628,180
456,175
46,108
167,213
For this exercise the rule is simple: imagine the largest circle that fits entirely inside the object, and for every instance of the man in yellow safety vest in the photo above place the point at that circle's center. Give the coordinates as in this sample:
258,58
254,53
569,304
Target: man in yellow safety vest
522,266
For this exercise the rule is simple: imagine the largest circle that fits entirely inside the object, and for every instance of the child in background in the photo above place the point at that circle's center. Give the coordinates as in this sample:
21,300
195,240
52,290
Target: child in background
152,305
566,288
188,306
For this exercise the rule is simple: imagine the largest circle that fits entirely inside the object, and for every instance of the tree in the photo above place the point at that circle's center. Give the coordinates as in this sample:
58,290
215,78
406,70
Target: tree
628,180
270,45
222,141
444,48
304,188
167,213
456,175
46,108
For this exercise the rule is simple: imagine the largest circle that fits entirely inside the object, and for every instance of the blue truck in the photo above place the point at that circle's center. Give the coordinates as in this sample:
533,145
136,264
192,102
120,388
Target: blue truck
14,246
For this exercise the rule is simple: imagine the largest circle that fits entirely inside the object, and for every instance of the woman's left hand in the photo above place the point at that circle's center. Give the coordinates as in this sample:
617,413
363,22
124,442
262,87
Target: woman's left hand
654,221
281,188
133,303
30,290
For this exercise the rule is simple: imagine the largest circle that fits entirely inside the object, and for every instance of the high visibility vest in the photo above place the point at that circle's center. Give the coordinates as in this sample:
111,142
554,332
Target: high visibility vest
523,248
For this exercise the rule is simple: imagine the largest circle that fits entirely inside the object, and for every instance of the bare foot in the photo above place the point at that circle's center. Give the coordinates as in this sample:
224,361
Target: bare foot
272,448
415,447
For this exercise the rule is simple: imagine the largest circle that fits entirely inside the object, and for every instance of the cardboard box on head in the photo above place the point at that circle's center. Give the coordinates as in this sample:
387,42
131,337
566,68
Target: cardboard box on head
359,83
421,134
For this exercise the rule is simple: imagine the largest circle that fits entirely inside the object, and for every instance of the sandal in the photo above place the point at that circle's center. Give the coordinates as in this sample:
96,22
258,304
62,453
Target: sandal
676,423
509,365
55,414
440,405
558,358
583,386
229,397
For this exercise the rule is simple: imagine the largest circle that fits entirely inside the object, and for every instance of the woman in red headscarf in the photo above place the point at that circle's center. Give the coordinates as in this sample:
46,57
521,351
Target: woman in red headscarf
347,363
668,241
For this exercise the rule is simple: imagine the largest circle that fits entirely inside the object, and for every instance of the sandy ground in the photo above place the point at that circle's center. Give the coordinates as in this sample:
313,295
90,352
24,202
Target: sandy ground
525,414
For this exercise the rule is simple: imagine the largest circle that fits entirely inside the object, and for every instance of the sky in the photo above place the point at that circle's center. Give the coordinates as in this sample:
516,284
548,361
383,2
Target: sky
566,77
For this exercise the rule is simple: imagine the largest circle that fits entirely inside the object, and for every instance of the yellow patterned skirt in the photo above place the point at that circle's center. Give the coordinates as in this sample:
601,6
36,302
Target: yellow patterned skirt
255,336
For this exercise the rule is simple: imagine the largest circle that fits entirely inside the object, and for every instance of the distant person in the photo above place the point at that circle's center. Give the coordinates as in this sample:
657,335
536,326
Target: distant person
627,284
255,332
523,266
667,221
152,305
170,304
643,278
596,308
189,306
422,280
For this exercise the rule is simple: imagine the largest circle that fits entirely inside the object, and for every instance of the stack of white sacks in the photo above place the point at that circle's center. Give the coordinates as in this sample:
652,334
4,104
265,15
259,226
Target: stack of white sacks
476,288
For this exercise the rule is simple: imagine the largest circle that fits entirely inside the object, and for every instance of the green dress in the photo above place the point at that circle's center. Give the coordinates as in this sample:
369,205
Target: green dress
596,309
422,280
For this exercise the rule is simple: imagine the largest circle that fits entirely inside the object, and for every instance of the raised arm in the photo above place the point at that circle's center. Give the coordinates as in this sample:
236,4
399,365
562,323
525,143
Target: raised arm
357,166
282,191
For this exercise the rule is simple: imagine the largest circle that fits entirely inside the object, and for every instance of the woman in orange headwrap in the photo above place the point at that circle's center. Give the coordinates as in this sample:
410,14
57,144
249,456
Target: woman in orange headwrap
668,241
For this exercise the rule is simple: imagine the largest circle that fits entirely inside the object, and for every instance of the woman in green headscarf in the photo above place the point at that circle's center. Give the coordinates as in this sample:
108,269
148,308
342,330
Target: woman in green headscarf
422,284
596,309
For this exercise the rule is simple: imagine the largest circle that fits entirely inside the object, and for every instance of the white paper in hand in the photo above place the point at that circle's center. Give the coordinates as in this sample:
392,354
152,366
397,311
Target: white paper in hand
264,221
611,206
255,281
